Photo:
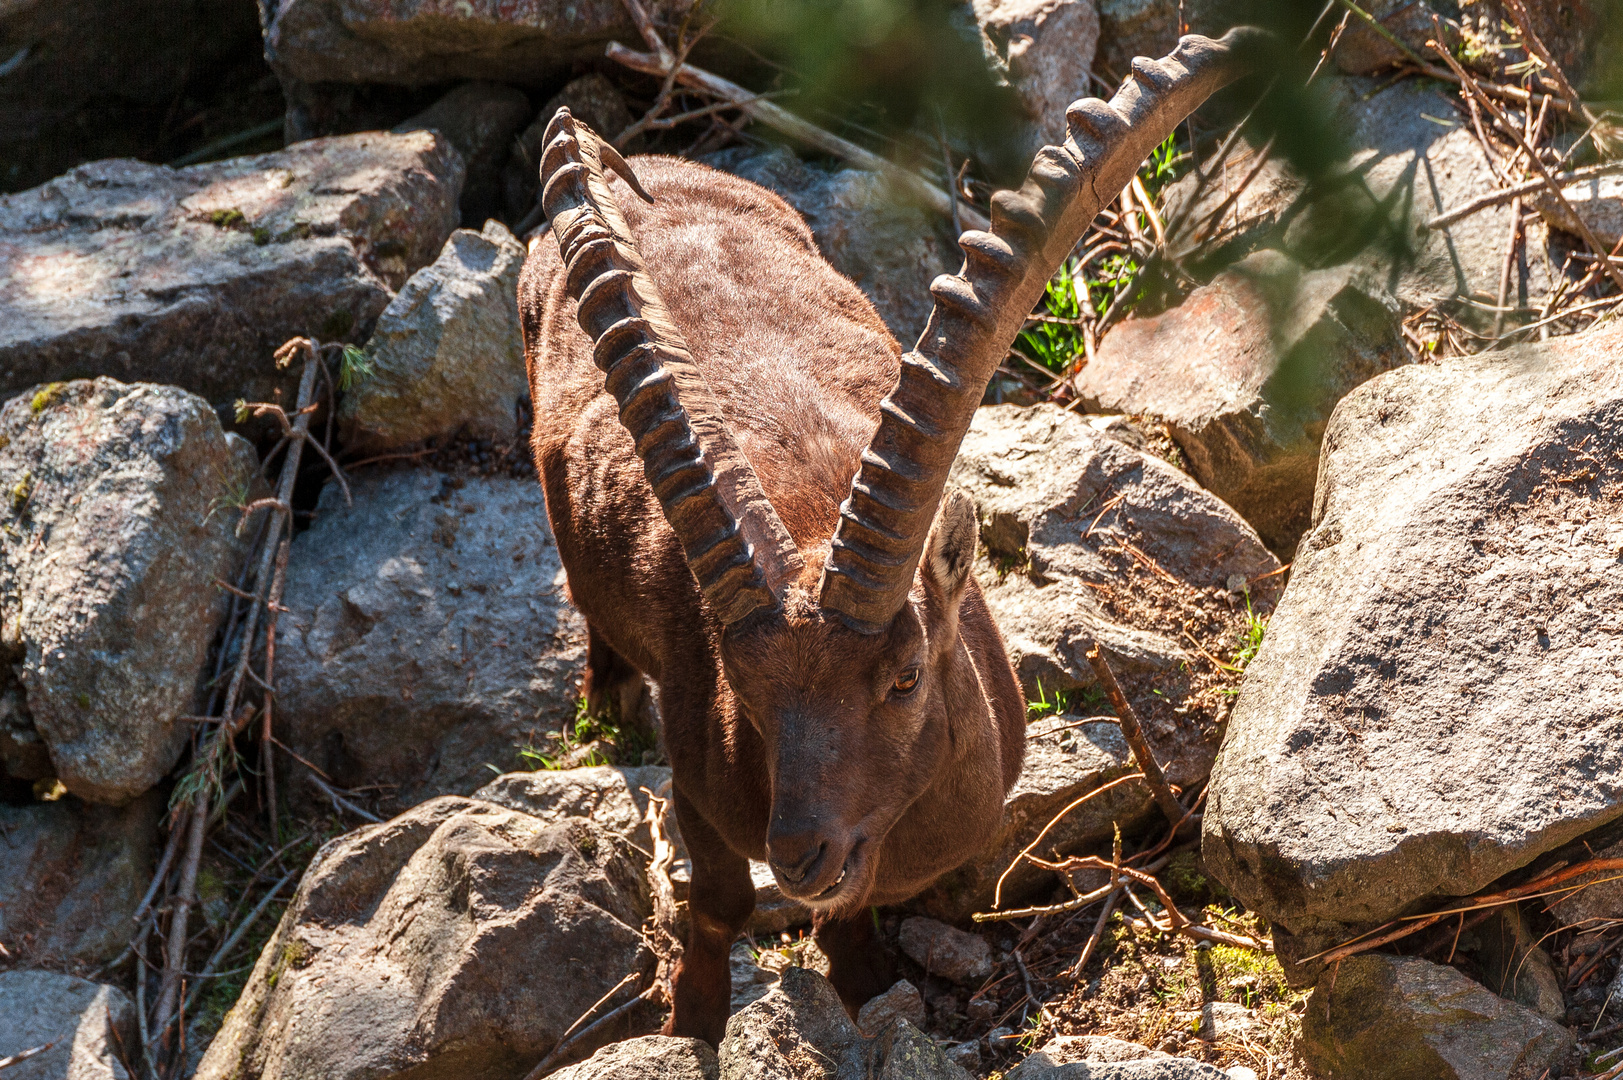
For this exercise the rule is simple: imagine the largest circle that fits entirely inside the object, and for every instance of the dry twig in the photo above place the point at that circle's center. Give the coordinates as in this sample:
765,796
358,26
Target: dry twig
1134,733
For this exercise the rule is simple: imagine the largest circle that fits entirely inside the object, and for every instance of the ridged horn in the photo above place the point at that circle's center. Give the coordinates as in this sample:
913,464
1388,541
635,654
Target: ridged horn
886,519
736,546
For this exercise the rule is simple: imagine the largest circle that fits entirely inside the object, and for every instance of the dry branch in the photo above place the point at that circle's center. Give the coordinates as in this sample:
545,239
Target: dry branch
1134,733
1504,195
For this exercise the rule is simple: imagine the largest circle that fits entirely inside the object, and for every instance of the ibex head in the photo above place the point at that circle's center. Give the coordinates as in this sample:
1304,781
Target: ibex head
851,663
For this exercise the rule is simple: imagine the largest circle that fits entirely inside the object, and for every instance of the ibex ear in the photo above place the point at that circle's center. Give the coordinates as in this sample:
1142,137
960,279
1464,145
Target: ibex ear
950,554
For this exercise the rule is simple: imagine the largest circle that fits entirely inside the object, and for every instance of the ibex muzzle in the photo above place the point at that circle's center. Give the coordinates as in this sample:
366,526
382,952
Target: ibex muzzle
746,478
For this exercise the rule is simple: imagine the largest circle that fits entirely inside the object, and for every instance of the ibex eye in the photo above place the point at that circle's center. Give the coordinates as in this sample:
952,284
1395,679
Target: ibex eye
907,681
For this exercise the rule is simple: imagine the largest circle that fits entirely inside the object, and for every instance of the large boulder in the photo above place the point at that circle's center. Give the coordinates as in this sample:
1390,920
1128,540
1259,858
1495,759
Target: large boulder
1436,702
460,939
891,248
1245,373
480,120
1087,539
71,876
1129,28
89,1026
428,637
447,355
195,276
100,74
117,524
406,43
1044,50
1403,1018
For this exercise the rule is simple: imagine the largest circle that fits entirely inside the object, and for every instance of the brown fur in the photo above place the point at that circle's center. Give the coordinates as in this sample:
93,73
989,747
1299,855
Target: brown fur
787,737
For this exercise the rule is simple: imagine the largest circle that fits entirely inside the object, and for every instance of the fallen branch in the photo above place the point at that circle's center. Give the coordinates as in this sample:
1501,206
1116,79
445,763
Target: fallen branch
1504,195
18,1059
1134,733
997,892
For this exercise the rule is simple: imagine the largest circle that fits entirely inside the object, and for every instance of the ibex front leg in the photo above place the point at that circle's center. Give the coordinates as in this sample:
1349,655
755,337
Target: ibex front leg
719,904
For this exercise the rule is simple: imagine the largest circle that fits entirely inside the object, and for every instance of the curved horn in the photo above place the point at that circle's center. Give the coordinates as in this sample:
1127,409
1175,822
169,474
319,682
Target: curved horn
887,517
738,550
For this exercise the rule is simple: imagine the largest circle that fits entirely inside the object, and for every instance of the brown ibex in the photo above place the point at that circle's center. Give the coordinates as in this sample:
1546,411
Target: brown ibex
745,477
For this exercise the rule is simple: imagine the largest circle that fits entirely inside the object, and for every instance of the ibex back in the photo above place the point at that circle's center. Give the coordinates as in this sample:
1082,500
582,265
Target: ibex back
746,480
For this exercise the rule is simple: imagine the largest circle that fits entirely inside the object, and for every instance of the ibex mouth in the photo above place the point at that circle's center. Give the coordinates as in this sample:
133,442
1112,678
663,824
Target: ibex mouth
841,890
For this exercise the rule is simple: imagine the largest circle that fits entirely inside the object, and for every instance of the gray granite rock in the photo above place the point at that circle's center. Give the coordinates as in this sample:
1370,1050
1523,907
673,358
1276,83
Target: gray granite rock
86,1022
194,277
1403,1018
480,120
459,939
591,98
447,355
428,634
116,523
652,1057
946,951
901,1002
1435,703
1044,50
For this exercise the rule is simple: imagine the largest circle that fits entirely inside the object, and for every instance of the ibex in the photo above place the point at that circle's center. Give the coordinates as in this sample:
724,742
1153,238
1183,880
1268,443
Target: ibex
745,477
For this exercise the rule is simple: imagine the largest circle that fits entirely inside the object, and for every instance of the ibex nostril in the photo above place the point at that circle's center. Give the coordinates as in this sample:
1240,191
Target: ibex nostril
794,858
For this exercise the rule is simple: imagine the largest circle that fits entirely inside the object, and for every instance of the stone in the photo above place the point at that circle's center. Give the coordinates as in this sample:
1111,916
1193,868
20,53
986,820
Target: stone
800,1031
1362,51
1245,373
1066,1049
611,796
427,634
1514,966
447,355
1058,500
1601,899
87,1022
458,939
1435,703
116,524
1403,1018
480,120
1059,1063
93,78
71,875
1044,50
1066,758
945,950
193,277
901,1002
652,1057
590,98
403,43
890,248
1129,28
1598,202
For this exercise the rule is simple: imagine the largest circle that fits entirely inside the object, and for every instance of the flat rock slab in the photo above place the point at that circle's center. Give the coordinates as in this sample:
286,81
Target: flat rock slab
459,939
116,523
428,633
71,876
195,276
1245,373
1436,701
88,1023
1404,1018
447,355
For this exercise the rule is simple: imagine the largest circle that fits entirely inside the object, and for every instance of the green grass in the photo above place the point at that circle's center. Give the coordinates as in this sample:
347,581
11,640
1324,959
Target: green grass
1043,706
1250,636
354,368
624,743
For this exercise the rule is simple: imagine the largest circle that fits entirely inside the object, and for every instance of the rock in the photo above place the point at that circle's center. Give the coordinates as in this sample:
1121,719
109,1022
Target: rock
88,1023
1065,1049
1245,373
1597,202
799,1031
1361,50
1515,967
1044,49
71,876
480,120
1408,161
428,633
1404,1018
891,249
591,98
116,522
652,1057
1434,706
610,796
195,276
404,43
1063,762
1603,899
1057,499
1224,1020
83,74
1129,28
946,951
901,1002
447,355
459,939
1058,1063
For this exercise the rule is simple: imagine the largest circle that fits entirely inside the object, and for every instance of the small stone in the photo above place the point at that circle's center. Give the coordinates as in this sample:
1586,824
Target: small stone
1241,1072
87,1022
946,951
652,1057
901,1002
